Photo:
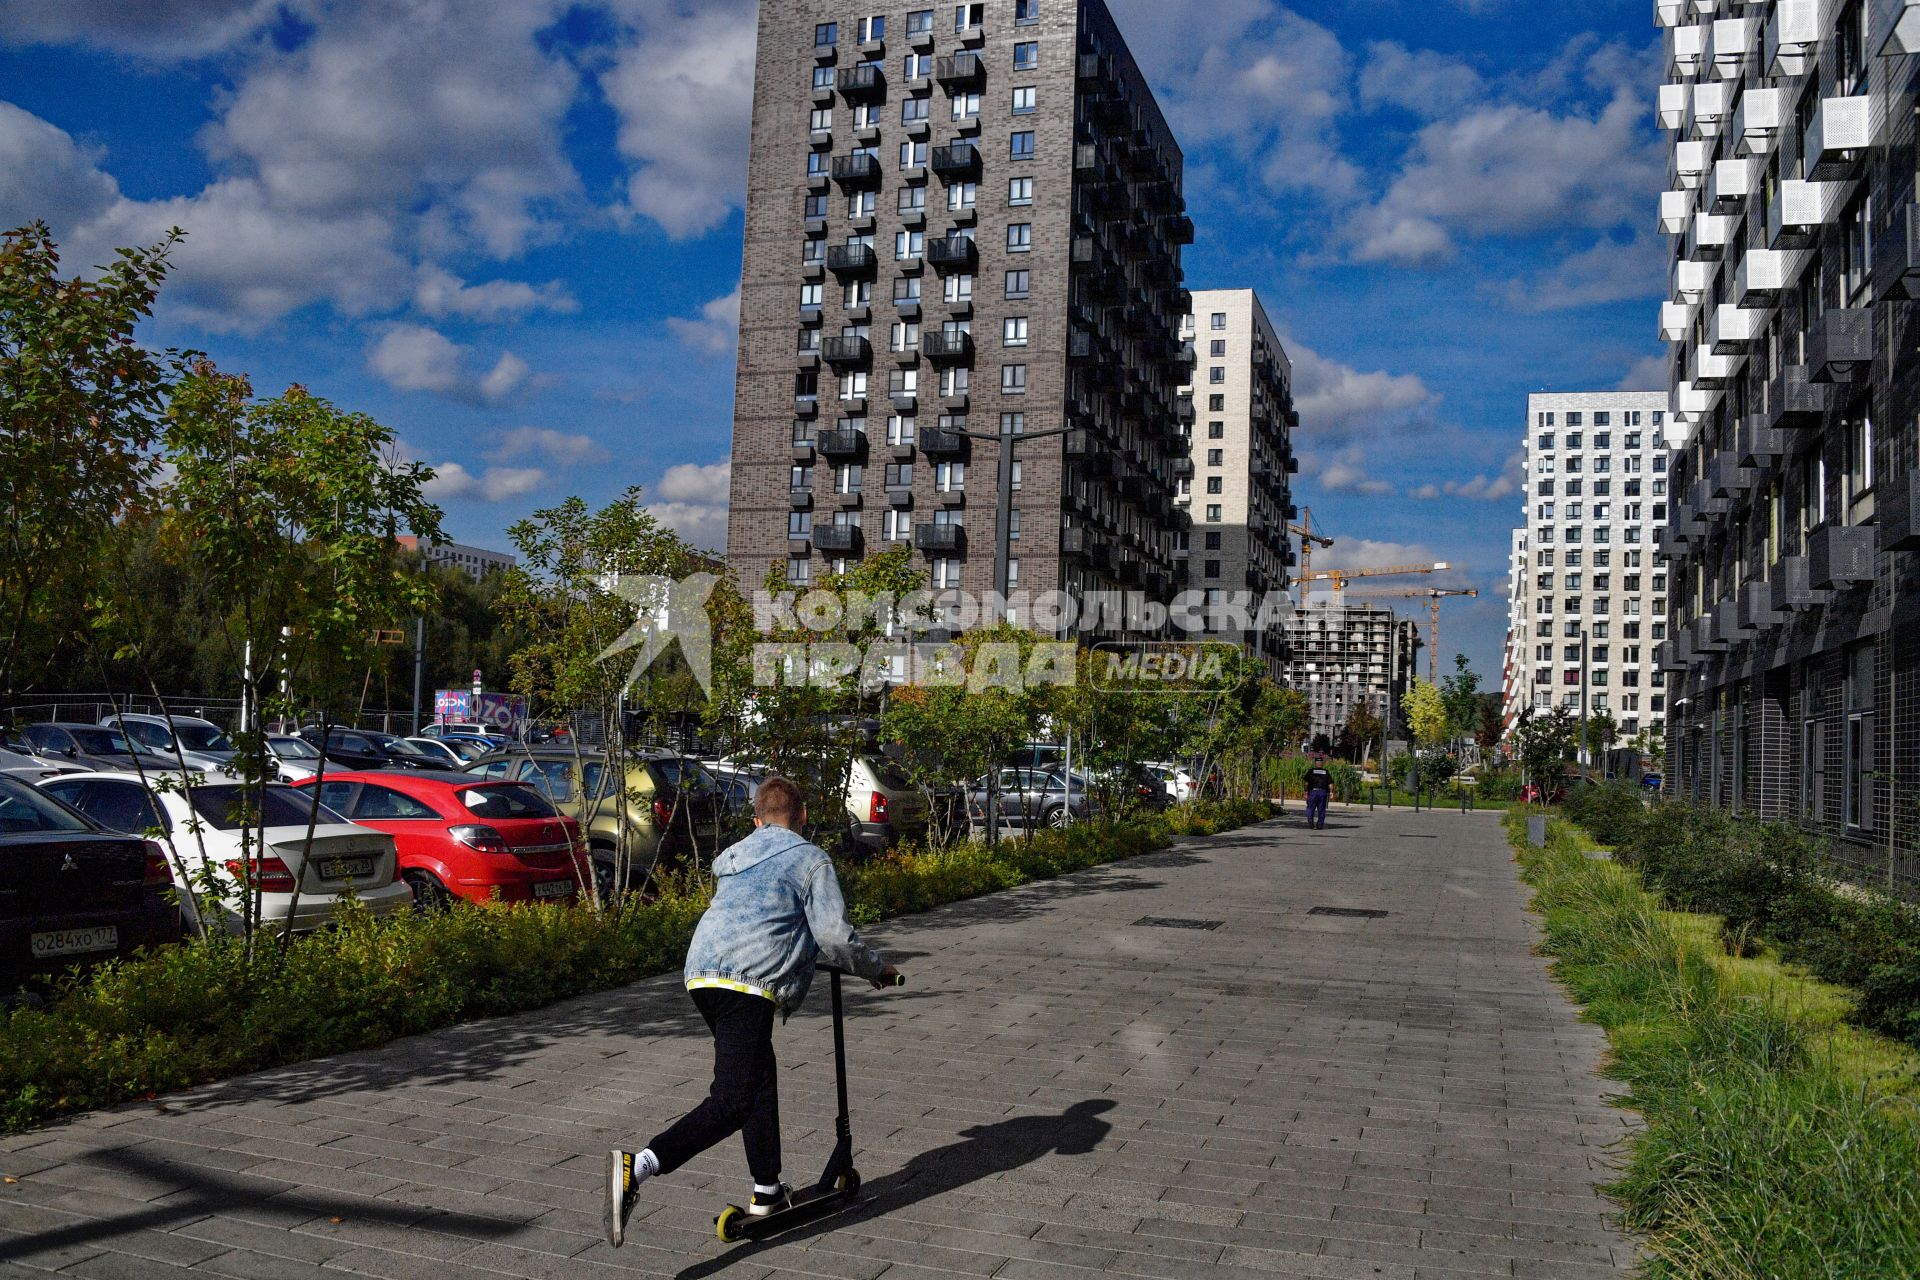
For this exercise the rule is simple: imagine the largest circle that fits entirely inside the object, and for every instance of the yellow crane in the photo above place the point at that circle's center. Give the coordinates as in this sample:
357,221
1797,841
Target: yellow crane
1433,596
1340,577
1308,540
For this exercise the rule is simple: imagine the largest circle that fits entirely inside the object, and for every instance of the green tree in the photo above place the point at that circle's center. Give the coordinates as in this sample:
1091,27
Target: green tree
1492,725
1427,715
82,402
1602,730
1360,734
1543,741
1461,694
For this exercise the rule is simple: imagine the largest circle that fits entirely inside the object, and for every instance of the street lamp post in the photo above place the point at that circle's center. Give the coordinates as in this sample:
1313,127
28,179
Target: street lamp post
1584,755
1003,505
427,561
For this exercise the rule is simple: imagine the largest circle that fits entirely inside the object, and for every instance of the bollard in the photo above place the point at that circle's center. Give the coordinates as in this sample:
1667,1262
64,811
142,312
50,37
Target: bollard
1537,830
1370,798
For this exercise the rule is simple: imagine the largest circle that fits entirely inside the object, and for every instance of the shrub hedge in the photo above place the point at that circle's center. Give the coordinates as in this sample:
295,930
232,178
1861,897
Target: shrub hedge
1768,882
178,1016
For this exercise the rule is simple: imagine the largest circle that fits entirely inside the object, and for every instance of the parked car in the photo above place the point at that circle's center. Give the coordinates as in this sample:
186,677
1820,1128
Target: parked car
1133,786
460,836
883,804
741,782
32,768
1177,780
72,892
341,856
367,749
1038,755
673,805
441,753
187,742
1031,798
296,758
86,745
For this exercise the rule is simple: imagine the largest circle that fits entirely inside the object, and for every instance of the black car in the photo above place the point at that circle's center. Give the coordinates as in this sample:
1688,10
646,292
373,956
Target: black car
87,745
72,892
363,749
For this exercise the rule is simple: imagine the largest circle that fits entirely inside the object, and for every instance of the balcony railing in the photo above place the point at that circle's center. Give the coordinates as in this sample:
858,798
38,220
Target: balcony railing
1793,400
960,70
846,350
842,442
938,442
858,170
1840,345
852,259
956,160
843,538
860,82
946,538
939,344
952,253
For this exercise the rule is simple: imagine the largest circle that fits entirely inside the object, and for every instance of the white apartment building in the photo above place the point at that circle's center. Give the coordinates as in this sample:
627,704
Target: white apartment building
1516,668
1343,655
475,562
1594,572
1237,488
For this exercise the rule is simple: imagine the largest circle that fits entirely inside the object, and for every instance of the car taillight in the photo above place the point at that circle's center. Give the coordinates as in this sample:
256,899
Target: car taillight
662,812
270,875
157,872
877,808
482,838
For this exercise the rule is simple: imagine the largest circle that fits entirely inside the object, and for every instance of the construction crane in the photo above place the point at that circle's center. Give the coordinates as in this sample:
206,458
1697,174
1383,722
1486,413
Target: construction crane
1433,596
1308,540
1339,577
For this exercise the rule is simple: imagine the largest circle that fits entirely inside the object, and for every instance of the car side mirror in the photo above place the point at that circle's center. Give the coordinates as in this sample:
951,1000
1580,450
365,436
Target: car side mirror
71,752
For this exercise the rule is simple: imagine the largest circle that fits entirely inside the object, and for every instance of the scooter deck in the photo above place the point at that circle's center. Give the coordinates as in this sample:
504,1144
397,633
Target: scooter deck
736,1224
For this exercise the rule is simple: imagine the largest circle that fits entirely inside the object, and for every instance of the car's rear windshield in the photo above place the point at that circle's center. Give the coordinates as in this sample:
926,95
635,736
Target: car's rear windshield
230,808
887,773
678,771
24,810
99,742
293,748
505,800
202,737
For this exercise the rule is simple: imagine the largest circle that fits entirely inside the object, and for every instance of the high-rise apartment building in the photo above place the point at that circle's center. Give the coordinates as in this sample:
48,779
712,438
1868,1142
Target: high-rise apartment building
1794,257
1346,655
1590,603
963,227
1236,485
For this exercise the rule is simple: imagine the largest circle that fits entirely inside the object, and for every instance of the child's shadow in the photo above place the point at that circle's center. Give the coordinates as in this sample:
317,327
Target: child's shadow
984,1150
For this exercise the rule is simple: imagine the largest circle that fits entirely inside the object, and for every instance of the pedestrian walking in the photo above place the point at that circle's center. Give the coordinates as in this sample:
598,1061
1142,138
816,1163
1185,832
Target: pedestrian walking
776,908
1319,782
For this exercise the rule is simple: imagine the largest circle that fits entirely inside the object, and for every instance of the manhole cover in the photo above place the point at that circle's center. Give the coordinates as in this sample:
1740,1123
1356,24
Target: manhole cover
1175,922
1357,913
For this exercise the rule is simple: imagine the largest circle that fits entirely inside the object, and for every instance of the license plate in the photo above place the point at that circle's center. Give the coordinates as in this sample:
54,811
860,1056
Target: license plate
67,942
346,868
553,889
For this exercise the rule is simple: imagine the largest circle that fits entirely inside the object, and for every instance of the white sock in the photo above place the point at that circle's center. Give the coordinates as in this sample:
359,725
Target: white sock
761,1189
645,1165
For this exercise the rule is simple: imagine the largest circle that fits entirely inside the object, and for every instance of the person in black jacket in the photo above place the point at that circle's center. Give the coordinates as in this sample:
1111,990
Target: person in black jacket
1319,791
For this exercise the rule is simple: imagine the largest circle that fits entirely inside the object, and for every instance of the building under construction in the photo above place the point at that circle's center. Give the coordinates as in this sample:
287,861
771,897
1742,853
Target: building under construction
1342,655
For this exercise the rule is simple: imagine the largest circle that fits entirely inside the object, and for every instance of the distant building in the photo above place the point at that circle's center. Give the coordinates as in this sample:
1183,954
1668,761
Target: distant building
1594,571
1343,655
478,562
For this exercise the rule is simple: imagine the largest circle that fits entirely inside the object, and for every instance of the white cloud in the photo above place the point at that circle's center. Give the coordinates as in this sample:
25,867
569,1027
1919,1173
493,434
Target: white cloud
1607,271
440,293
1426,83
1647,374
683,89
413,357
150,29
558,448
45,174
1345,472
1487,488
495,484
717,329
693,502
1336,401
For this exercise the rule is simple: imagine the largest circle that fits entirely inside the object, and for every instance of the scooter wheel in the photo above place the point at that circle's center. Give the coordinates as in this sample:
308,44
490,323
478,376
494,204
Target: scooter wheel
727,1225
847,1184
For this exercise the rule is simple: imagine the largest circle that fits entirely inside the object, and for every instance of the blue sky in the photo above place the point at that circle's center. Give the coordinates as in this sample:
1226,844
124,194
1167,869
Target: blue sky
517,240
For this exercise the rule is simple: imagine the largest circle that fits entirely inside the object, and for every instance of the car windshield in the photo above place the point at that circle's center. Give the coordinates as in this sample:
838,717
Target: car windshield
100,742
24,810
888,774
679,771
399,747
505,800
202,737
230,808
465,750
293,748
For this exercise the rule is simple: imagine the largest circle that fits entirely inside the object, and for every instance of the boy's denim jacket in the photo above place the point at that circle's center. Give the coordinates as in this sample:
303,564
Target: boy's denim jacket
776,907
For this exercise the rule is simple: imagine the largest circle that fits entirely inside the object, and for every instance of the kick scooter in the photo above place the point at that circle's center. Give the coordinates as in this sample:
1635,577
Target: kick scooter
838,1184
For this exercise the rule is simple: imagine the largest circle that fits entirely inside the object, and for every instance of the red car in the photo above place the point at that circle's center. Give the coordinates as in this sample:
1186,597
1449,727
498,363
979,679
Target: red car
465,837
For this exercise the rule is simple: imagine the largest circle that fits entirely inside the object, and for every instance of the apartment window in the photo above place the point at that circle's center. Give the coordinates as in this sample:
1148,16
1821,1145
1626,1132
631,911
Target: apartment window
1020,145
815,206
1026,55
896,525
1219,320
826,34
1212,569
959,288
810,297
1856,261
1213,484
1019,237
820,119
813,251
913,155
798,571
1850,51
1217,348
965,106
1014,479
1026,100
906,289
906,335
946,574
799,524
860,204
1014,332
1013,524
955,381
968,16
920,22
900,430
1013,424
1217,374
874,28
823,77
853,385
912,200
1213,513
962,195
909,245
806,384
1019,191
809,340
1026,12
918,66
1019,284
1216,404
1857,439
1013,379
1214,457
950,477
818,163
857,293
1858,774
800,477
1216,431
848,479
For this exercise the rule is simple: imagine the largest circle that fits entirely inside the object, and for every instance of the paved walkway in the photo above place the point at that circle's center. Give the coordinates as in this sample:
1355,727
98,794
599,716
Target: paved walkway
1067,1087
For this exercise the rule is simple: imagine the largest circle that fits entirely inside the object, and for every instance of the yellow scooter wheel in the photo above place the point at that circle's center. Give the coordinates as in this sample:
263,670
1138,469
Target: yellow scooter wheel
725,1226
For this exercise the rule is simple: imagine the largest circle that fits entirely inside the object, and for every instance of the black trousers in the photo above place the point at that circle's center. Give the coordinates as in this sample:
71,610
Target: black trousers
745,1096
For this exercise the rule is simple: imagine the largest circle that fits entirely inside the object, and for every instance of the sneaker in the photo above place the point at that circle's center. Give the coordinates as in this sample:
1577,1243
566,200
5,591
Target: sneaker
766,1202
622,1191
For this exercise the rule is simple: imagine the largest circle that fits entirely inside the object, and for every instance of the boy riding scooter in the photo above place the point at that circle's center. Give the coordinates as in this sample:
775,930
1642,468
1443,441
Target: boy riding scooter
776,907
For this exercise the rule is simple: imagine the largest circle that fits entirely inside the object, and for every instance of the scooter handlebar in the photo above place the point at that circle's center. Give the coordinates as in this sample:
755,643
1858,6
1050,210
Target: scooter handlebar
898,979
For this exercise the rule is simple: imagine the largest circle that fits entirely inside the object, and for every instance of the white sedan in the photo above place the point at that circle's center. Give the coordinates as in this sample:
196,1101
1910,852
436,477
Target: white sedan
200,827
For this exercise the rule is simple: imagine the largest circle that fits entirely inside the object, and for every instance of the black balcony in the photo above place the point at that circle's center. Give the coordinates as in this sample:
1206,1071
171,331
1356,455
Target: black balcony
1094,66
942,442
1706,637
956,160
1132,488
862,82
1112,108
960,71
953,253
841,442
1130,572
1081,345
1840,345
1794,400
843,538
1107,198
1792,585
1106,286
1096,465
1725,479
1183,468
950,539
1756,608
1180,229
1898,510
843,351
857,170
852,259
1759,444
1840,555
1086,157
945,346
